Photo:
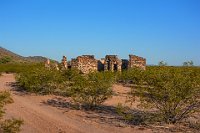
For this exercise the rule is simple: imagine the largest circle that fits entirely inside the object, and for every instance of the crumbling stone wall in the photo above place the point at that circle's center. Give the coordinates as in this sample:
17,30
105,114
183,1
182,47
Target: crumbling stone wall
47,63
64,63
136,61
85,63
56,66
112,63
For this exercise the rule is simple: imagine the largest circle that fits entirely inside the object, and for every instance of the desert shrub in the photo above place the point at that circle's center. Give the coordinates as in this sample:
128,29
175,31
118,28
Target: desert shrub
93,89
124,112
18,67
68,77
133,76
5,60
9,125
107,77
71,74
174,92
40,80
162,63
188,63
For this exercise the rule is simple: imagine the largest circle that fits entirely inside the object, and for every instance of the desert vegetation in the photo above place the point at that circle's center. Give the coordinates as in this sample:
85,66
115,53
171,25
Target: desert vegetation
37,79
93,89
167,95
18,67
8,125
188,63
87,90
5,60
172,91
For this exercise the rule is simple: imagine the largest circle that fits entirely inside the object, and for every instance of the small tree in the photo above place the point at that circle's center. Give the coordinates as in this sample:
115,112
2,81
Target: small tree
175,93
185,63
188,63
162,63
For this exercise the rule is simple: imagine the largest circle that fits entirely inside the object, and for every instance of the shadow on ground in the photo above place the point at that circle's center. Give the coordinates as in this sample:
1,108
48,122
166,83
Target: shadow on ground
110,115
104,114
16,89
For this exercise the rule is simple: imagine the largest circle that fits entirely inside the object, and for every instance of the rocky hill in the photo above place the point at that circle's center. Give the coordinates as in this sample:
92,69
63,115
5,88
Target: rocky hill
9,56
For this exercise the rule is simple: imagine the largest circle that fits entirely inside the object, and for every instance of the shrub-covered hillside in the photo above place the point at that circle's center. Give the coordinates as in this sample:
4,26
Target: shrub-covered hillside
7,56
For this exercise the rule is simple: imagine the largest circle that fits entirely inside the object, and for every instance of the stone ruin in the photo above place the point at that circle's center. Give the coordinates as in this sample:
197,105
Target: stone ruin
47,63
136,61
56,66
88,63
101,63
64,65
85,63
50,66
112,63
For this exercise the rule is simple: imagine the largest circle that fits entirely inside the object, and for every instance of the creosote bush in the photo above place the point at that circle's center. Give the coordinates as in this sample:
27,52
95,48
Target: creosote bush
18,67
133,76
93,89
89,90
40,80
5,60
174,92
9,125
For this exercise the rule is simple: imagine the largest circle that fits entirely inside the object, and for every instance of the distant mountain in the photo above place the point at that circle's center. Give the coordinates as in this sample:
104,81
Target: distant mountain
36,58
6,55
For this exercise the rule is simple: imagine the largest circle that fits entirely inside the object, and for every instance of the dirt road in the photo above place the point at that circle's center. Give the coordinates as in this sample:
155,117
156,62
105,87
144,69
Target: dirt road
46,114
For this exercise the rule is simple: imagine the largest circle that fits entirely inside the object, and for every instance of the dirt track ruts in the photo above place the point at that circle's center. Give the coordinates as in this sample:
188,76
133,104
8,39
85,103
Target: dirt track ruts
41,118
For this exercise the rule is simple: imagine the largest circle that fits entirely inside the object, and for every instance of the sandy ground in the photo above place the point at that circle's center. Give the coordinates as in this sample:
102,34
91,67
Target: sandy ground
53,114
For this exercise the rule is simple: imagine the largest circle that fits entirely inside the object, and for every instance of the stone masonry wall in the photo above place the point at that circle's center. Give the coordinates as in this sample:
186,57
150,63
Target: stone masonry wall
85,63
112,63
64,65
136,61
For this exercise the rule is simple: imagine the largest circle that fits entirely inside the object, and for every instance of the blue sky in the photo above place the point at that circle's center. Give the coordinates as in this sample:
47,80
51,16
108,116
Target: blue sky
158,30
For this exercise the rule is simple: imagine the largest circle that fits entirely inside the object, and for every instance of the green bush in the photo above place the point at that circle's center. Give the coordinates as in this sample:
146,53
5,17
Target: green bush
188,63
10,125
162,63
173,91
18,67
93,89
133,76
5,60
40,80
70,74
